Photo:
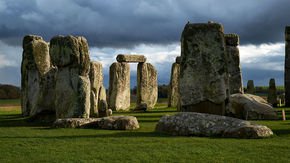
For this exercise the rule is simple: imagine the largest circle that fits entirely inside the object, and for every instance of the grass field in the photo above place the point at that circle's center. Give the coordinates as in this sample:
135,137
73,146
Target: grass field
26,142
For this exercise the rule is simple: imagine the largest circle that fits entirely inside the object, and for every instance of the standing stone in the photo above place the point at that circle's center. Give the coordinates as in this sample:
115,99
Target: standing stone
250,87
272,93
147,86
287,66
72,85
203,79
173,91
102,102
37,78
119,89
96,79
235,78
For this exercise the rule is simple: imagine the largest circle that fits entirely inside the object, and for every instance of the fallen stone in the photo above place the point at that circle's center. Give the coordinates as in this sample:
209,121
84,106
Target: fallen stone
199,124
109,123
131,58
250,107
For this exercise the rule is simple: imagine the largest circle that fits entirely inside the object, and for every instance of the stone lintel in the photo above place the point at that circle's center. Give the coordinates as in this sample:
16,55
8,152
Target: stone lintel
131,58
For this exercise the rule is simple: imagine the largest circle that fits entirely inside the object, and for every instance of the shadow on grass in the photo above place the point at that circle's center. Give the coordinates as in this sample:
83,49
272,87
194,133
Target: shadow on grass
123,134
17,120
281,132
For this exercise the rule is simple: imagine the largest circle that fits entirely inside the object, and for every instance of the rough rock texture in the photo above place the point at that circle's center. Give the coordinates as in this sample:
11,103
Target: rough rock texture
72,84
109,123
147,86
119,88
131,58
37,77
198,124
9,92
96,79
272,93
287,66
234,69
250,107
173,90
203,69
250,87
102,103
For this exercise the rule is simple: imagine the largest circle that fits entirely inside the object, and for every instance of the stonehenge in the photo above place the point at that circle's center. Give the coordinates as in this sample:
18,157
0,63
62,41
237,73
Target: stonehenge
57,78
250,87
234,69
119,88
204,81
173,90
287,66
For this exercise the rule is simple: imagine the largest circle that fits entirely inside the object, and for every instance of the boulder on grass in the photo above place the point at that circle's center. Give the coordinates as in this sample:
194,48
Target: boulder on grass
110,123
250,107
200,124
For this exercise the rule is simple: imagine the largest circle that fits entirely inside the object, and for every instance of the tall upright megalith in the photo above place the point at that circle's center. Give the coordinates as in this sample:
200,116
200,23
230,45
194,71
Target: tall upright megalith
72,85
203,81
287,66
96,79
250,87
234,69
272,92
173,90
37,77
147,86
119,88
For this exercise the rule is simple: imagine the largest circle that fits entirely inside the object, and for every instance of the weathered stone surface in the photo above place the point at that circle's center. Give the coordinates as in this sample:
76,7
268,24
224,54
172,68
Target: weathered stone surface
118,123
173,91
109,123
198,124
287,66
250,107
119,88
178,59
147,86
96,79
272,93
102,102
203,69
131,58
72,84
37,77
250,87
234,69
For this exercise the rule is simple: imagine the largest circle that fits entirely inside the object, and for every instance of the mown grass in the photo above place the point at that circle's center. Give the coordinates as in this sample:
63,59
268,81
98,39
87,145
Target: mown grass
22,141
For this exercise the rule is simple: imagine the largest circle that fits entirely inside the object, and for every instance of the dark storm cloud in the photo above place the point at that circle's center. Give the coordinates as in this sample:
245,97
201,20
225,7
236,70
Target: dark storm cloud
125,23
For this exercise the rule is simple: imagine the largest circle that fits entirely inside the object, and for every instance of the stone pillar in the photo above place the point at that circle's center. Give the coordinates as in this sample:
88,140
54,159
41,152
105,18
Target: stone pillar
272,93
147,86
173,90
119,89
96,79
102,102
72,85
287,66
234,69
37,78
250,87
203,81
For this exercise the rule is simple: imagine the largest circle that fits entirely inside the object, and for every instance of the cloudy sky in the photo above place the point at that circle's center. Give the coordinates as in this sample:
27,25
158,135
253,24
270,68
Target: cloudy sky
150,27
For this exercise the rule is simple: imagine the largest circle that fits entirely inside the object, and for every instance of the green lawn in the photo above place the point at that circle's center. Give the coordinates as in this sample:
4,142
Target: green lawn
25,142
